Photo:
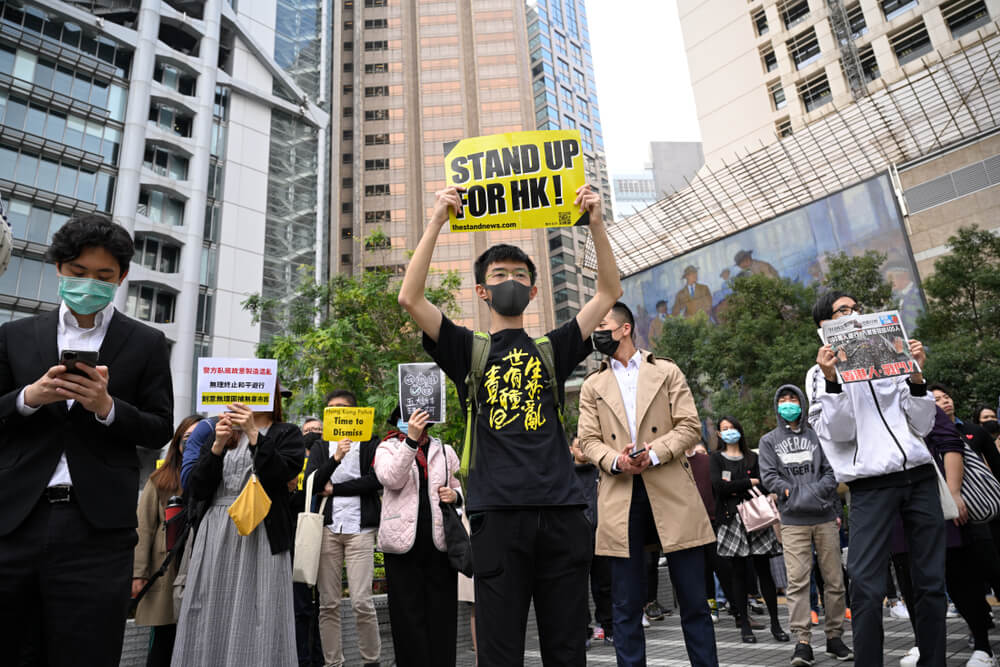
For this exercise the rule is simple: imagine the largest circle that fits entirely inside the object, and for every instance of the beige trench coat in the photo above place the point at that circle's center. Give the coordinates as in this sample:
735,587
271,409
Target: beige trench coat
157,606
667,419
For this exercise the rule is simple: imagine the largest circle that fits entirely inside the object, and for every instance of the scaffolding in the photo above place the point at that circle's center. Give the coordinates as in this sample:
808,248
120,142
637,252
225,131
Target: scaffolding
950,101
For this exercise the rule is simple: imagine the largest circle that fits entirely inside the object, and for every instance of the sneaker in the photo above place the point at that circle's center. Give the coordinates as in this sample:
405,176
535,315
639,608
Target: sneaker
803,655
952,612
981,659
911,658
609,640
715,615
645,621
654,611
836,648
815,617
847,613
899,611
598,633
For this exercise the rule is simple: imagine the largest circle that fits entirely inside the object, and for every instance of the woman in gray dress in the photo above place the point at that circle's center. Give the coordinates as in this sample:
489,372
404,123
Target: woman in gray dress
237,607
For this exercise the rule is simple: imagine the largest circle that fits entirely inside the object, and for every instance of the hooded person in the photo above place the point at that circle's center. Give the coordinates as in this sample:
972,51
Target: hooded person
793,466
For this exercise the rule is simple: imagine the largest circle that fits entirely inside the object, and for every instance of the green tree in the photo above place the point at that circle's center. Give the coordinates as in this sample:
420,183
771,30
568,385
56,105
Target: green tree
961,327
861,277
350,333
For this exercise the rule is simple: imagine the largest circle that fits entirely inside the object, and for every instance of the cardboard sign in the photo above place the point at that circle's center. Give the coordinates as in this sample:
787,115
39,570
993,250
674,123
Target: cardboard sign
518,180
354,423
224,381
422,387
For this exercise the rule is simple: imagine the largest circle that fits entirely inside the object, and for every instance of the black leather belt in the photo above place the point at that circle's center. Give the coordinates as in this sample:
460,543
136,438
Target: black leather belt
59,494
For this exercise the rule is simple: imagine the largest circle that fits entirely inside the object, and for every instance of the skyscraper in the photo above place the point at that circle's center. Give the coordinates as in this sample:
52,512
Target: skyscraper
197,126
410,76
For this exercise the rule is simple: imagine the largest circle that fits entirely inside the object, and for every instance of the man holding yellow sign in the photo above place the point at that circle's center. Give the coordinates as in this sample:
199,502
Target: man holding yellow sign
342,462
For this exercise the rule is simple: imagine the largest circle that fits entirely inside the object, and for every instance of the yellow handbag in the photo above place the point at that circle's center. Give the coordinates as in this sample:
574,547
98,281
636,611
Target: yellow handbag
250,508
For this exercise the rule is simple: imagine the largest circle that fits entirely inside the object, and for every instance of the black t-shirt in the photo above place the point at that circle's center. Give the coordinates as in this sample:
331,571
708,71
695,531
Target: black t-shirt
521,457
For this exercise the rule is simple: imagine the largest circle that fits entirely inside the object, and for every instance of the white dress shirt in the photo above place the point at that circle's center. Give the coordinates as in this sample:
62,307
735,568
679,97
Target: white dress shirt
346,513
627,376
71,336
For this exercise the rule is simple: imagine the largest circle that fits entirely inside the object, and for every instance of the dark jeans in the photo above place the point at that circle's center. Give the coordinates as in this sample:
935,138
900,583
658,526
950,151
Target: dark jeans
600,590
74,579
540,554
423,606
873,511
628,580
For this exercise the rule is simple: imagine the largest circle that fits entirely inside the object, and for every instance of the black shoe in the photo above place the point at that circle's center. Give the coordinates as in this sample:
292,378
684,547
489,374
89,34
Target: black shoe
803,655
748,637
654,611
779,634
836,648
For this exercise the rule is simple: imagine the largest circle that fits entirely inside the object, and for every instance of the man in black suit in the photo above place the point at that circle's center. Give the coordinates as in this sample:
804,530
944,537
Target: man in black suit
69,473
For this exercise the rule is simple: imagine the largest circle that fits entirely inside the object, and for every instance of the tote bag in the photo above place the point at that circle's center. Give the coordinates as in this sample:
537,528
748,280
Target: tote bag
758,512
308,539
980,488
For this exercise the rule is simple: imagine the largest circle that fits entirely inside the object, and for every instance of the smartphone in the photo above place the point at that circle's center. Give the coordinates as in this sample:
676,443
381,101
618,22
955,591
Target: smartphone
70,359
636,453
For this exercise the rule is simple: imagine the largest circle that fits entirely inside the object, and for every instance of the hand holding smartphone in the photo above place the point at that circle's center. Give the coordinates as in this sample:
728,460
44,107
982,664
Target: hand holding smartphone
73,358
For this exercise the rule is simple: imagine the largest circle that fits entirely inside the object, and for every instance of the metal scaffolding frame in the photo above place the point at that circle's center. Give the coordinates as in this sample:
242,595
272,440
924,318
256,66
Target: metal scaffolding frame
950,101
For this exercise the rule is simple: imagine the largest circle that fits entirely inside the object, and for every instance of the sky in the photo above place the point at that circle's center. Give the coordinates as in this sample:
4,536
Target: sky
643,84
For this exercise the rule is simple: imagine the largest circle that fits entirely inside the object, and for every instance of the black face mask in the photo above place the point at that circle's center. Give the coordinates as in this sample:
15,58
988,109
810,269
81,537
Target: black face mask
509,298
604,342
991,426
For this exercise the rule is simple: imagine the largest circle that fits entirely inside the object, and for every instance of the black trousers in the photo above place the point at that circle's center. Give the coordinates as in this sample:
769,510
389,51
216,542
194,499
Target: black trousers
540,554
600,590
306,605
873,512
72,581
423,606
161,648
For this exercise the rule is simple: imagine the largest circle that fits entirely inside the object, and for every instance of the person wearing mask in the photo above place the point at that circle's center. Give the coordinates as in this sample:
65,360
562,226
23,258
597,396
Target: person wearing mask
600,568
156,609
872,433
417,472
69,473
734,471
237,607
344,472
312,425
638,404
987,419
793,466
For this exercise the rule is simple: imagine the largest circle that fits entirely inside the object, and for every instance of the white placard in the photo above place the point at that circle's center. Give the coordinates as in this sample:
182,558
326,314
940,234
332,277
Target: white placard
223,381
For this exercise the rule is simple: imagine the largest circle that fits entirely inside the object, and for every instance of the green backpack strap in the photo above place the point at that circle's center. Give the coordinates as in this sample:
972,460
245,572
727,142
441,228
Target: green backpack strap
548,355
477,368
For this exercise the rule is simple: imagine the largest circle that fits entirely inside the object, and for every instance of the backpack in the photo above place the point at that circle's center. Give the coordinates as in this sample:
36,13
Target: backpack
480,355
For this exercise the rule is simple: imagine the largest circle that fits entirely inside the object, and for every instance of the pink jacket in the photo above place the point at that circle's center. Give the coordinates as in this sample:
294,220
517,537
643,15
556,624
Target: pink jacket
397,469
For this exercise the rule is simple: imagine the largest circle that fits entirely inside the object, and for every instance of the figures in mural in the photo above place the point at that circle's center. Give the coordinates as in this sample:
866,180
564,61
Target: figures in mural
752,267
693,297
656,326
905,294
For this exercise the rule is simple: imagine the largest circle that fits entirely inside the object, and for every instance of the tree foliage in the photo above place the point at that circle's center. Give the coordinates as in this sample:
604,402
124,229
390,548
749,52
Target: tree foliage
860,277
350,333
961,327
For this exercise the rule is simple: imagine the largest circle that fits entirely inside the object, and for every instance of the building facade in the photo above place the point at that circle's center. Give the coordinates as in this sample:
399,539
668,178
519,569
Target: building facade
196,125
672,165
633,192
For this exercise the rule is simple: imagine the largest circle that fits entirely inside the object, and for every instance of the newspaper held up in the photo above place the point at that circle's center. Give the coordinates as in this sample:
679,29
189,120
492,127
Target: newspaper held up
870,347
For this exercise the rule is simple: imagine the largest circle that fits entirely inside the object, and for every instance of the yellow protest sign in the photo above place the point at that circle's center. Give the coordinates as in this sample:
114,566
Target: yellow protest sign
354,423
518,180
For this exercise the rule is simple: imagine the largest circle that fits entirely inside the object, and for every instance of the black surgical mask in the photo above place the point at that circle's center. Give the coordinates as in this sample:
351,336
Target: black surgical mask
604,341
991,427
509,298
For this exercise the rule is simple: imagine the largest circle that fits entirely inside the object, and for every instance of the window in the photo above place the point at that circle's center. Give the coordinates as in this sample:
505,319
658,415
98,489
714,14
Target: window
174,79
381,243
32,222
856,20
348,112
171,120
161,208
377,216
377,190
163,162
760,22
376,3
157,255
777,94
804,48
376,91
348,89
31,279
910,43
793,12
61,178
893,8
378,45
347,158
783,128
963,16
378,164
376,68
767,58
346,207
377,114
815,92
381,139
345,258
347,182
868,63
348,68
203,322
150,304
347,232
375,24
347,135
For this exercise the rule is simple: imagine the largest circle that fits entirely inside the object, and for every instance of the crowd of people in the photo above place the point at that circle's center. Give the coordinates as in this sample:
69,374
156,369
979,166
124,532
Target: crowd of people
867,469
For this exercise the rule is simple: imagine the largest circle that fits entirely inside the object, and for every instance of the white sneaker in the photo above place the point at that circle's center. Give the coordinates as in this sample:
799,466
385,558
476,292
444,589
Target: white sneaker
980,659
645,621
910,659
952,612
898,610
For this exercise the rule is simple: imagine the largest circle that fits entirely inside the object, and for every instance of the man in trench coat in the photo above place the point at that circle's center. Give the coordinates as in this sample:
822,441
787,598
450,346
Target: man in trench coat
636,401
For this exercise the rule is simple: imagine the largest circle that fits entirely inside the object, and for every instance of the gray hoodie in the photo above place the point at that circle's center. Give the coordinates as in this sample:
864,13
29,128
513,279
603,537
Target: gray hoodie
791,459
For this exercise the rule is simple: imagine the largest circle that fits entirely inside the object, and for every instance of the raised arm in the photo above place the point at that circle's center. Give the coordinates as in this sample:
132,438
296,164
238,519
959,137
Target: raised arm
609,284
411,294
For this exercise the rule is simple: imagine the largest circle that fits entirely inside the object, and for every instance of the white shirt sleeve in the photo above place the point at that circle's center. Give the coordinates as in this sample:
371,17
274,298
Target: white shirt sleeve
110,418
23,408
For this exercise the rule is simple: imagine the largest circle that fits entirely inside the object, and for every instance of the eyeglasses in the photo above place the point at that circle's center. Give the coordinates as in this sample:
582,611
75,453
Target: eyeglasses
847,310
517,274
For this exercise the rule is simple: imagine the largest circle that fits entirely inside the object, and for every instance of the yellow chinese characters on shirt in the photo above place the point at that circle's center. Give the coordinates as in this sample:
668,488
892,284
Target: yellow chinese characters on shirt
514,390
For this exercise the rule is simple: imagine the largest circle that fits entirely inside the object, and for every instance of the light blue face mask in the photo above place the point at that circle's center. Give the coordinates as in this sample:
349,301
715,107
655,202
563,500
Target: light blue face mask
403,427
85,296
730,435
